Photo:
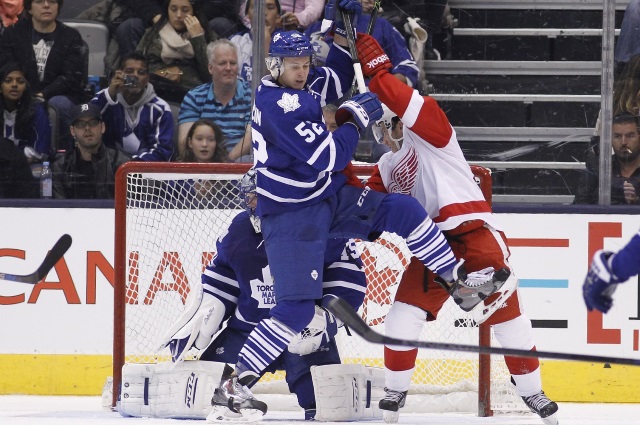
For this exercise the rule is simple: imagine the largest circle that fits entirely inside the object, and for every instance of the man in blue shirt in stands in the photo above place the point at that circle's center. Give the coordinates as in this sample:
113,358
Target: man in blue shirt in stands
226,100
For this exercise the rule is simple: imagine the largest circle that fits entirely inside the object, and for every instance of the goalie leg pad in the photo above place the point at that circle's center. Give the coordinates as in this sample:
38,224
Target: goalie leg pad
347,392
169,390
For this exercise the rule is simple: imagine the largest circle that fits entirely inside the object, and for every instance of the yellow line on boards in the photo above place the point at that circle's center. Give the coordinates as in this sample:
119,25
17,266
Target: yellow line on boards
68,374
54,374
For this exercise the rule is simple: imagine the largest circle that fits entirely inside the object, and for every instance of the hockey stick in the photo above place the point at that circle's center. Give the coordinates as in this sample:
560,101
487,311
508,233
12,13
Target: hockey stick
374,16
49,261
343,311
348,26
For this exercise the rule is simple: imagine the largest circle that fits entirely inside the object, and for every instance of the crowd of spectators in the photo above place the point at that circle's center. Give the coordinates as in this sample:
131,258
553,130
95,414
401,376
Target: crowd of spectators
177,87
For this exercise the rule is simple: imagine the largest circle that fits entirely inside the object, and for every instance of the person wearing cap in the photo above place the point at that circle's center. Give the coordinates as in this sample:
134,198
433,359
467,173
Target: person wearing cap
88,170
137,121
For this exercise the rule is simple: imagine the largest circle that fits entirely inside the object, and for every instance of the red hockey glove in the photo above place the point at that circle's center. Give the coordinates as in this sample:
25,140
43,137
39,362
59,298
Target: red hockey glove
372,57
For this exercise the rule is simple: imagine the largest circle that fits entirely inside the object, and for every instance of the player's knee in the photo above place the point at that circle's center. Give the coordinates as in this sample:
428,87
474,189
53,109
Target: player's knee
296,314
516,333
405,321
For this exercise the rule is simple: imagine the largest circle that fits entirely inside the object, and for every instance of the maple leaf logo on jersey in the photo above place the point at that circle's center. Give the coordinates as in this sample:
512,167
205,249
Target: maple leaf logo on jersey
262,290
404,173
289,102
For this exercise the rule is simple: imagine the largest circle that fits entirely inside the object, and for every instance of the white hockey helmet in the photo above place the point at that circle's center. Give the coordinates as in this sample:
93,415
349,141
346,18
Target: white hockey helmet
386,123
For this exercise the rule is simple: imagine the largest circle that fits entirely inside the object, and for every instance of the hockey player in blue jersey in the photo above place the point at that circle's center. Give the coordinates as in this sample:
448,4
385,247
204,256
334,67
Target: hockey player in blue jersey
238,286
303,196
607,270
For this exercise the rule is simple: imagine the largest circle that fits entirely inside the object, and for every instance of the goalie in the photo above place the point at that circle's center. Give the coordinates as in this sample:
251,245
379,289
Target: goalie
237,288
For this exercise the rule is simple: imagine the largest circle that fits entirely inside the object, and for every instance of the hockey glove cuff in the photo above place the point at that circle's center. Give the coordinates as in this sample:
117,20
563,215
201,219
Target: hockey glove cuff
362,108
371,55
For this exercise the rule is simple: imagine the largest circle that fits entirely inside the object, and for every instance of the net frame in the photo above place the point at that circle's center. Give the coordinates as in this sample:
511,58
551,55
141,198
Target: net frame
121,260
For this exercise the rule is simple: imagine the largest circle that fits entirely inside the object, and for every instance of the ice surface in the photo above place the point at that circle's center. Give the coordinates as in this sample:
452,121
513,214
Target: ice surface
50,410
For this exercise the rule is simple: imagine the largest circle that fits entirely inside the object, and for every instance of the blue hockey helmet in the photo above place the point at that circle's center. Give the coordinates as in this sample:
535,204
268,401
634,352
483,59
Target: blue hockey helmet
287,44
290,44
248,196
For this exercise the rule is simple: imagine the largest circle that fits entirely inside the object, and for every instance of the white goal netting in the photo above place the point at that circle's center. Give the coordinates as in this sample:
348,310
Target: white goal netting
168,218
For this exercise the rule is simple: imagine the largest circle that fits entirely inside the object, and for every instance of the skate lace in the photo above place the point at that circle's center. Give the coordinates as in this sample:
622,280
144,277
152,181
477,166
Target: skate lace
537,401
479,278
393,395
241,391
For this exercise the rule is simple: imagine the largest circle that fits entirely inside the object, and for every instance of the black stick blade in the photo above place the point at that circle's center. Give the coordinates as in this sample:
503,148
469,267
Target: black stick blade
54,256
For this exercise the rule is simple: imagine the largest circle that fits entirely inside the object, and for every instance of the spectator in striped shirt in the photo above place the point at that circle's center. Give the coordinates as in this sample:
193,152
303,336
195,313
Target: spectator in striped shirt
226,100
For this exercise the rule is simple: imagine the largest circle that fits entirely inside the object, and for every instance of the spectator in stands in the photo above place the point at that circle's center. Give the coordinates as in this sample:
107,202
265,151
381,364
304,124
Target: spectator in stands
16,179
54,58
23,121
204,143
626,89
299,14
87,171
137,121
146,13
224,16
628,44
10,12
329,114
404,68
226,100
175,47
625,166
244,39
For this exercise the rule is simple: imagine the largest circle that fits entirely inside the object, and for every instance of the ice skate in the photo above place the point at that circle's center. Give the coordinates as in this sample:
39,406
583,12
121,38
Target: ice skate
234,402
542,406
391,404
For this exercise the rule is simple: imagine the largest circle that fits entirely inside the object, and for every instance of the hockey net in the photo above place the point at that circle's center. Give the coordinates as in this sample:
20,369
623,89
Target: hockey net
168,218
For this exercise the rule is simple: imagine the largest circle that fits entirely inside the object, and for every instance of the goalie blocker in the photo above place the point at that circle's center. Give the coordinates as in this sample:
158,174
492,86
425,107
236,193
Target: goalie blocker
344,392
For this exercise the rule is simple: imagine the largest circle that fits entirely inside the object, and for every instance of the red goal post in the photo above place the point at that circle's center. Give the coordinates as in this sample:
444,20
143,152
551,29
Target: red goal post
165,235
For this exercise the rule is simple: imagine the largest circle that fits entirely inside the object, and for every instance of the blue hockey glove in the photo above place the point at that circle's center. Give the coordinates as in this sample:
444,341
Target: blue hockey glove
332,17
362,108
600,283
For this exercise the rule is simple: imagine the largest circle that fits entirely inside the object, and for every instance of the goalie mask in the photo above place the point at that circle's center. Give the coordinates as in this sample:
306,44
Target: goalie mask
287,44
249,196
387,125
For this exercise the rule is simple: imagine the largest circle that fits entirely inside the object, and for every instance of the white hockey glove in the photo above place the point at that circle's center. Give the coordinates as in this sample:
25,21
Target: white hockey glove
322,328
196,326
600,283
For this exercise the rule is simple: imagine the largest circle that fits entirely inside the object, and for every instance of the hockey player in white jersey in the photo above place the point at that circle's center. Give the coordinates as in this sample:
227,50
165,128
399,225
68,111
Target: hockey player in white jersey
427,163
304,199
607,271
